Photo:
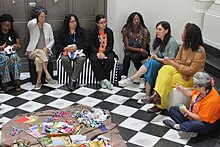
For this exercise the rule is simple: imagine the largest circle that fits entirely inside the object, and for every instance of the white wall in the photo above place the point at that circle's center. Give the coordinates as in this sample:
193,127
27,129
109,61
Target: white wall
177,12
211,29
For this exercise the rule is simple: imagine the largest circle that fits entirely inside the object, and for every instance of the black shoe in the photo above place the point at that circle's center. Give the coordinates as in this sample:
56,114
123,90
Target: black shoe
3,88
154,109
73,85
169,123
17,85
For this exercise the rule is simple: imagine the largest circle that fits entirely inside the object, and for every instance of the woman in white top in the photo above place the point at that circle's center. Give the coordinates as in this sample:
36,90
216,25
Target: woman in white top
40,44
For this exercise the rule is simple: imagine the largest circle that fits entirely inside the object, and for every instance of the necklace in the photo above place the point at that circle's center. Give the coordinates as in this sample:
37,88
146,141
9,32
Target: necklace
102,41
134,41
197,99
73,38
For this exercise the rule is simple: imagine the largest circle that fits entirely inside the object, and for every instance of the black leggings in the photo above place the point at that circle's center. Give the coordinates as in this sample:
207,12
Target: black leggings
102,68
136,59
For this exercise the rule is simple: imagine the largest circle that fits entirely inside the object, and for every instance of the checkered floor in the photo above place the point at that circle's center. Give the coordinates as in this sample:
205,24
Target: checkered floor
136,126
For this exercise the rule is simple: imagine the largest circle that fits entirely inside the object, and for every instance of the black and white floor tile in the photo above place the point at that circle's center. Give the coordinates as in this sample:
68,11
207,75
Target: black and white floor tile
137,127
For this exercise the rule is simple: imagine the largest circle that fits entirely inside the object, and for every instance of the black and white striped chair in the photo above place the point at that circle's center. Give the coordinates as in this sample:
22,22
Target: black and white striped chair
87,75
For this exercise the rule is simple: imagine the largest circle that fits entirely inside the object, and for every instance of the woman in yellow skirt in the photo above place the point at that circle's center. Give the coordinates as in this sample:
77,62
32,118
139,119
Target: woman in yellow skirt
189,60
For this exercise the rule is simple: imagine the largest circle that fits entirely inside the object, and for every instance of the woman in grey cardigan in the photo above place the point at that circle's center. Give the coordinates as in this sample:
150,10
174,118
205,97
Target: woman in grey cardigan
40,44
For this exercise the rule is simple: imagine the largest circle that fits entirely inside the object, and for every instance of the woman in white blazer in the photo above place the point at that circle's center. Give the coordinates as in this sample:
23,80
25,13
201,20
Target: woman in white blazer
40,44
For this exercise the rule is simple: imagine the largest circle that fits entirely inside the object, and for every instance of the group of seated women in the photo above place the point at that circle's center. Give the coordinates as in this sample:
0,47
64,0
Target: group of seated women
167,65
72,44
171,67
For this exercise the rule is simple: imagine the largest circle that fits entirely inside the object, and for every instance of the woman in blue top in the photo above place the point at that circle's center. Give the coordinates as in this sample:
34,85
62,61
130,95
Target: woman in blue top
164,46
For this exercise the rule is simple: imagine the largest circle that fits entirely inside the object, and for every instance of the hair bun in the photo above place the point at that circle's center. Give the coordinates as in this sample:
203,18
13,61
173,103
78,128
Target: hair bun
37,10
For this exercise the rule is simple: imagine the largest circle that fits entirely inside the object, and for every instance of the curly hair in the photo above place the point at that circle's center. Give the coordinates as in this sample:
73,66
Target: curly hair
157,41
7,17
37,11
127,28
66,28
193,37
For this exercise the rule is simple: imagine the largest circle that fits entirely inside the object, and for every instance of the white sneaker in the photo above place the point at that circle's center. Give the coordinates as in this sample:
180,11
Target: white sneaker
186,135
102,84
140,100
142,83
125,82
123,77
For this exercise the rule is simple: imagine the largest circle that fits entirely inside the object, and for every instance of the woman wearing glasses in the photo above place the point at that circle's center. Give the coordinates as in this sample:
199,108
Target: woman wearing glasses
101,51
203,114
72,43
40,44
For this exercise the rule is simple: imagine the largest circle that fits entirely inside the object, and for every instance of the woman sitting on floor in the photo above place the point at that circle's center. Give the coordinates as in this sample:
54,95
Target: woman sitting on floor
164,46
189,60
204,111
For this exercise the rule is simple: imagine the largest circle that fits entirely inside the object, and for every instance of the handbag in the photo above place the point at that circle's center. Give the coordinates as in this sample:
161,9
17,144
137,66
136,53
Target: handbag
75,55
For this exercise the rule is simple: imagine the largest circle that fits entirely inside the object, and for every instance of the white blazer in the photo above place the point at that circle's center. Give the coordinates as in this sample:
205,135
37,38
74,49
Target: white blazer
35,35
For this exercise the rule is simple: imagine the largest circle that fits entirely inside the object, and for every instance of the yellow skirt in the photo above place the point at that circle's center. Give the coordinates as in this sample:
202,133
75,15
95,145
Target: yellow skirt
167,79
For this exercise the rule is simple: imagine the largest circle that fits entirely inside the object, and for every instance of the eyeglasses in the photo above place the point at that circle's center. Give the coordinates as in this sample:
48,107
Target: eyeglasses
72,21
196,86
102,22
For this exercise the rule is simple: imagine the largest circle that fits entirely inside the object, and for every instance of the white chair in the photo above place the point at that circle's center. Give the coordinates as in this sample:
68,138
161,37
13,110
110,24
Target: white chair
86,76
175,98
